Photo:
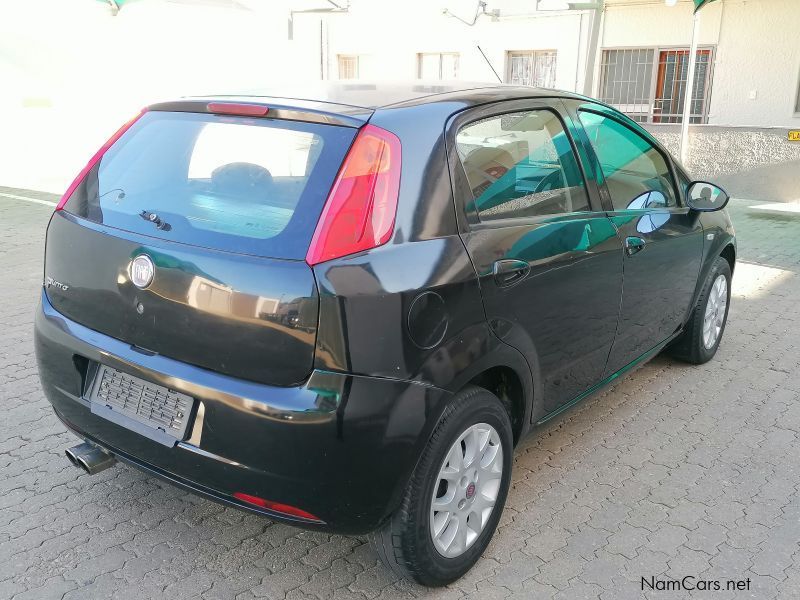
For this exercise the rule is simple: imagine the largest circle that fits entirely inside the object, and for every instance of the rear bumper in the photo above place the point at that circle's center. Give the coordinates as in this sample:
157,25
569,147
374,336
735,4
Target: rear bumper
340,447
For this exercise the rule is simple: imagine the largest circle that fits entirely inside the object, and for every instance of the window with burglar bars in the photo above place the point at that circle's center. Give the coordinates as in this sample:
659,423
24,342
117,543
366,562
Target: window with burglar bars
348,67
437,65
649,84
532,67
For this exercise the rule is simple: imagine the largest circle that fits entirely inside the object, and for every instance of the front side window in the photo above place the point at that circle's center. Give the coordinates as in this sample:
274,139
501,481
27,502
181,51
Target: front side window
521,165
636,173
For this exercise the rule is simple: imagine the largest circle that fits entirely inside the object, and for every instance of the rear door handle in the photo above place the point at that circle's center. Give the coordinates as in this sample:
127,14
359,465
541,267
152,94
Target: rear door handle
634,244
509,271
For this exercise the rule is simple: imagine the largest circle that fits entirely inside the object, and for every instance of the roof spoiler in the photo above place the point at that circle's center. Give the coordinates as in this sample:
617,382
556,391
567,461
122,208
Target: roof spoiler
271,108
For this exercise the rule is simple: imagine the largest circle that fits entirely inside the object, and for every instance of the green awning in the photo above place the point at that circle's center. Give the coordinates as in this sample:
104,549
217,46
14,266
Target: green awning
698,4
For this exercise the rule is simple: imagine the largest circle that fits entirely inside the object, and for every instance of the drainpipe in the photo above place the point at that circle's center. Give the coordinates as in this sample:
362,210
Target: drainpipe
687,103
596,16
596,9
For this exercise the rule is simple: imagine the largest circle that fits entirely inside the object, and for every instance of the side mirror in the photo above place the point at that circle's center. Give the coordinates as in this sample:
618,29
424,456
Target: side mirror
706,197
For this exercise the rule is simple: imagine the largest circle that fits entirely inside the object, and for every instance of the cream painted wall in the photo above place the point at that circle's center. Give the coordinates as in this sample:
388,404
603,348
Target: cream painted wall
757,50
652,23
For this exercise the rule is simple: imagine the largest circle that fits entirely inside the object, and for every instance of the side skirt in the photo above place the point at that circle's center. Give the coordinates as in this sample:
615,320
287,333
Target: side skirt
598,386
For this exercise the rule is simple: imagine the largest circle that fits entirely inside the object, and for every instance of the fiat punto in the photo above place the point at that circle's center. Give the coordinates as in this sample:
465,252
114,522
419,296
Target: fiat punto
343,311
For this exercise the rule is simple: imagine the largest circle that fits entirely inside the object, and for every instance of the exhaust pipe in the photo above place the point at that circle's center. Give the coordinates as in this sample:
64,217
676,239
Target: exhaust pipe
90,458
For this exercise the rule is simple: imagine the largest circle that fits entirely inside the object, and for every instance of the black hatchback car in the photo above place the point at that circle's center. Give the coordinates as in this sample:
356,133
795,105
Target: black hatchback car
343,312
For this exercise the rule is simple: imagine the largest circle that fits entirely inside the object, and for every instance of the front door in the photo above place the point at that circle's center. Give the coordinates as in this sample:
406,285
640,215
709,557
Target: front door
548,258
663,240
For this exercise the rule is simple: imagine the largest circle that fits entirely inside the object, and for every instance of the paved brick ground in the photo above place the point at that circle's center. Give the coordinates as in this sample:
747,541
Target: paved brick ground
675,471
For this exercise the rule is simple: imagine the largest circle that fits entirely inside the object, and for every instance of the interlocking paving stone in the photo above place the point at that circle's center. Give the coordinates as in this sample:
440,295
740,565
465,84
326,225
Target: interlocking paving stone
675,470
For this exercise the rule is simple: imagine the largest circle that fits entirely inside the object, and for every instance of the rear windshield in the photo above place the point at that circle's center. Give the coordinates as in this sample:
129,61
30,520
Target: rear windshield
254,186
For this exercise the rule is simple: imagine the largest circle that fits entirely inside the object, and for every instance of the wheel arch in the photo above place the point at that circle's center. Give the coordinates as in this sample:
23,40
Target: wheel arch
506,373
729,254
505,383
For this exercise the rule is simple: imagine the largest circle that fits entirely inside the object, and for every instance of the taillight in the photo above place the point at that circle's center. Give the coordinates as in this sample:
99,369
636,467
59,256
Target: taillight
361,207
284,509
96,158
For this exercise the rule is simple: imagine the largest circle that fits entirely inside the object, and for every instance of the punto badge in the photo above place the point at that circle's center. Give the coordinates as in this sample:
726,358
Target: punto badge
141,271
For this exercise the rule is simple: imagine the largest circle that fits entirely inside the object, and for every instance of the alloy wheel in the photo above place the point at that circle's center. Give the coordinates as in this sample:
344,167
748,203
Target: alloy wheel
714,317
466,490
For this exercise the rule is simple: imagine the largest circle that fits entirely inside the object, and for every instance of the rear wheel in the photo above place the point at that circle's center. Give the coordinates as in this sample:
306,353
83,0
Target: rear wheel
455,497
703,333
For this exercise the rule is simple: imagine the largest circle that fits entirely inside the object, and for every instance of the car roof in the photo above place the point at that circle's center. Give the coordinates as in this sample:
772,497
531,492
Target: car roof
372,95
353,103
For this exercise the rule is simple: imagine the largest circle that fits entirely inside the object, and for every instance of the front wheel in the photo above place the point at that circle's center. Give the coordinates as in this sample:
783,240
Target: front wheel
703,333
455,497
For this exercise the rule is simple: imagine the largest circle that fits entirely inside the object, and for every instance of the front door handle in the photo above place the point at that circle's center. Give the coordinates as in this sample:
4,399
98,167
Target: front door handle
509,271
634,244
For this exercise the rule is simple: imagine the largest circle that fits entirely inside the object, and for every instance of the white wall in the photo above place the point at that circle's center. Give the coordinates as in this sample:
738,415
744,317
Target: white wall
389,35
71,73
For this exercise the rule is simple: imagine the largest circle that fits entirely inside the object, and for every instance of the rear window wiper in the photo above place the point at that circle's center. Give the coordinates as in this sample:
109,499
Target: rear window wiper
155,220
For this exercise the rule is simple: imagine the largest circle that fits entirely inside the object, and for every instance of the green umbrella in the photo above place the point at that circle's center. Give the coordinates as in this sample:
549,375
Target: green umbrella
698,4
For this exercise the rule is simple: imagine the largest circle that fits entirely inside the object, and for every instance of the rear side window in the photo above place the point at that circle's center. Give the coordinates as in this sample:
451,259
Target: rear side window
521,165
636,173
254,186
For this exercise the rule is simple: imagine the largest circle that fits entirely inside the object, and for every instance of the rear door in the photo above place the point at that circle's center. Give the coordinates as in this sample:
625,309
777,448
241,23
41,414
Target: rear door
223,207
663,240
548,259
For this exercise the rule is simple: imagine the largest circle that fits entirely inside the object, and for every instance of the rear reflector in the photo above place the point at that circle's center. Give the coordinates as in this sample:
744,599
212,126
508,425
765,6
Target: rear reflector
361,207
231,108
96,158
277,507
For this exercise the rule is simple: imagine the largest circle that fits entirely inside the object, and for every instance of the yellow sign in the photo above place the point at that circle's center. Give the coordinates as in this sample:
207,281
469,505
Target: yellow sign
794,136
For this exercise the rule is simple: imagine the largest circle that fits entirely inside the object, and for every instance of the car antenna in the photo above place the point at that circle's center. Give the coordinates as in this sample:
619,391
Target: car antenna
488,62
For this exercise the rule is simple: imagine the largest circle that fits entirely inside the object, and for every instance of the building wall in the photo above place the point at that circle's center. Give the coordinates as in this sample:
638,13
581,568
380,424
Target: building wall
749,162
388,36
754,82
757,55
757,52
71,72
745,146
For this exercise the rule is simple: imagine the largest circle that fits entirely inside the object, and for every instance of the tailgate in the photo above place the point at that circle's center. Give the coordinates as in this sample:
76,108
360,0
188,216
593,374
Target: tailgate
188,237
244,316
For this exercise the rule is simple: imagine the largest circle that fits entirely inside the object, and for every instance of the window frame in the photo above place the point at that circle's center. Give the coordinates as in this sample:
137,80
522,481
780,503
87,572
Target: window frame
457,56
532,54
357,61
652,85
797,101
606,112
469,219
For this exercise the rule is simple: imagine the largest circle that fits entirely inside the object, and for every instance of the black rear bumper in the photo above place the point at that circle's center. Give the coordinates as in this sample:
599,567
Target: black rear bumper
340,446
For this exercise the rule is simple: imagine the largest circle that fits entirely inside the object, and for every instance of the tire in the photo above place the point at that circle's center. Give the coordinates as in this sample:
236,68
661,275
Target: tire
692,345
405,543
